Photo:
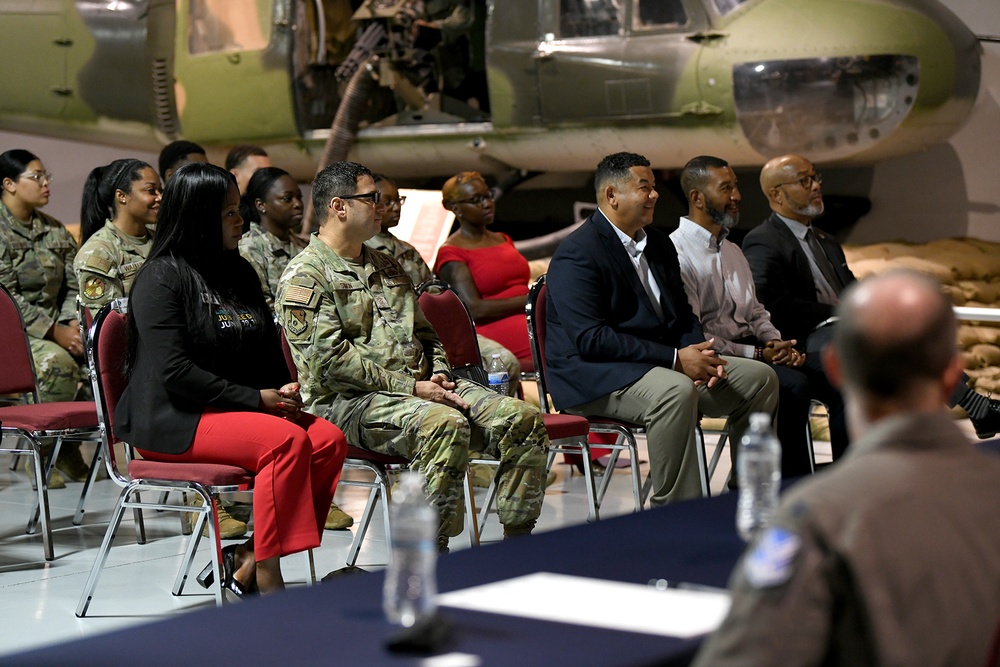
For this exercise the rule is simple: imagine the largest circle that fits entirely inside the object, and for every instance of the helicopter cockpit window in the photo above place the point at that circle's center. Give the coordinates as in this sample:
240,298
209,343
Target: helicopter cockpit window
589,18
726,6
652,14
226,25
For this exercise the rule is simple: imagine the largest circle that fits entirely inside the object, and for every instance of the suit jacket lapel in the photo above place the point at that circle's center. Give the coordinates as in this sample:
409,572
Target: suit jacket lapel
790,240
618,255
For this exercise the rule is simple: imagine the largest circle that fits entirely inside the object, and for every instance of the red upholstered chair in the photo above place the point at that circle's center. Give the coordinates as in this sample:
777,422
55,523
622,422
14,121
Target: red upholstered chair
453,323
535,310
30,422
106,352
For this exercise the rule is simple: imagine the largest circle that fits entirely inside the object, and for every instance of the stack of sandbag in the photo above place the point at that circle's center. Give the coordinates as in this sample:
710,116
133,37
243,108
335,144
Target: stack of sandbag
969,269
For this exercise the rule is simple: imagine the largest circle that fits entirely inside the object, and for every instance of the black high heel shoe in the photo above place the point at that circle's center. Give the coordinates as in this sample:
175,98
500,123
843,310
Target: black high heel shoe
229,580
207,577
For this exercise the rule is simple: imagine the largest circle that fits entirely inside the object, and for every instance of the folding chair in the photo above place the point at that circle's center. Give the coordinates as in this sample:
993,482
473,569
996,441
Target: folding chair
535,311
86,321
105,352
32,421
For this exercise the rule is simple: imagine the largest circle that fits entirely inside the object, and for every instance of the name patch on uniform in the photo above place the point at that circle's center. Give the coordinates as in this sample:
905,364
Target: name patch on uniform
130,268
297,321
94,287
770,563
298,294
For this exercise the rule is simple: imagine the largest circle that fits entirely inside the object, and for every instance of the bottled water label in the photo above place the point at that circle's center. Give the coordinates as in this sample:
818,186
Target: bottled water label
499,382
497,374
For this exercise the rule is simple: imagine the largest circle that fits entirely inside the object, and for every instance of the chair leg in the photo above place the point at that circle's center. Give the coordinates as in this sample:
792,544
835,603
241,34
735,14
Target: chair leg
49,467
470,509
42,492
88,484
185,570
310,568
363,523
702,463
102,554
594,511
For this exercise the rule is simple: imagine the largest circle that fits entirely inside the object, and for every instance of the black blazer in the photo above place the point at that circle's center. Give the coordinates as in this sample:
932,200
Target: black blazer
602,331
178,371
783,279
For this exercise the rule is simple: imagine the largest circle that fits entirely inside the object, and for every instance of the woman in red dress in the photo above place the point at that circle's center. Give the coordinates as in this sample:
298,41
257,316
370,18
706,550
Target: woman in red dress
484,267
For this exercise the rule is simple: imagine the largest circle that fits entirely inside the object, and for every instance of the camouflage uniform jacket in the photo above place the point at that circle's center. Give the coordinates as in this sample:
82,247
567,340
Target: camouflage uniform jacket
404,253
36,265
354,330
107,264
269,256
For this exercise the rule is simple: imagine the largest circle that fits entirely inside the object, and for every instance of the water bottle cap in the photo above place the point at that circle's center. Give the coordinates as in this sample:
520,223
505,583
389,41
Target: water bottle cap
760,420
496,355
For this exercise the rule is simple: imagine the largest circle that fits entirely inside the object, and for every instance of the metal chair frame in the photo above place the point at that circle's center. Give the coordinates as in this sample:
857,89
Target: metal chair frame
35,437
131,487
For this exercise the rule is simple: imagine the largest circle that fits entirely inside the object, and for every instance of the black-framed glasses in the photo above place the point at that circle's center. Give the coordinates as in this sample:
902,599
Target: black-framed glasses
807,181
393,203
478,200
38,176
374,197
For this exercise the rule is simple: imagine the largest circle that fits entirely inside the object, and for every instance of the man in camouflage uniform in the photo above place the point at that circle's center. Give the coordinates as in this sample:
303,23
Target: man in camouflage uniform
107,264
269,256
416,268
369,361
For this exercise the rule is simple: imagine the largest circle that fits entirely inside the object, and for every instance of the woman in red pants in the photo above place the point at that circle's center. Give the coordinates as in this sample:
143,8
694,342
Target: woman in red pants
208,382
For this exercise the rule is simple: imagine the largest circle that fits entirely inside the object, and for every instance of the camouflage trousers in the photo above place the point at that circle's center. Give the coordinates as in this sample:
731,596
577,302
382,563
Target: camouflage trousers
58,373
438,438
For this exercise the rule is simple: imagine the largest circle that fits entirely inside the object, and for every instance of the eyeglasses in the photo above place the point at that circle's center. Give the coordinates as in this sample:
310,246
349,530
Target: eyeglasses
38,176
807,181
478,200
374,197
393,203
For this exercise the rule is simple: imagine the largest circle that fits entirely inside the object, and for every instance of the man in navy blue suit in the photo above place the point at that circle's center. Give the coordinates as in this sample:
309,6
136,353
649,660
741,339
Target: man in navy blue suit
622,341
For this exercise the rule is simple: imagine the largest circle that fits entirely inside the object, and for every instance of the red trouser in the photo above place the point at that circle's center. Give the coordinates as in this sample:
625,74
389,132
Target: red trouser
296,467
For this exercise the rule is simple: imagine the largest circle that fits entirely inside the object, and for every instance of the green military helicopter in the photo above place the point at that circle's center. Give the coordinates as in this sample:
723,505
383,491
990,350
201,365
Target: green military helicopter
561,83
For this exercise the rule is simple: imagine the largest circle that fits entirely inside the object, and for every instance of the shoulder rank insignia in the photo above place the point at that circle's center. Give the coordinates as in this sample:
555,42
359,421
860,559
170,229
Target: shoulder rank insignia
770,562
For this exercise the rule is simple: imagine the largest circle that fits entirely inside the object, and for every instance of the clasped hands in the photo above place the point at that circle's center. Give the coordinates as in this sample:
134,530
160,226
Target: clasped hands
700,364
68,338
439,389
285,402
783,353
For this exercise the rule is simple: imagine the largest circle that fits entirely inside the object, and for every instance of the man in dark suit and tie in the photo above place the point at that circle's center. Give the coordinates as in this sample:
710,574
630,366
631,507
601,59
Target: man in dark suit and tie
800,271
622,340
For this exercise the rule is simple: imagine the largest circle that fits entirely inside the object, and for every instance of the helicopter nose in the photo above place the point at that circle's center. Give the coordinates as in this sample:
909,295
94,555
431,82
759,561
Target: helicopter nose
912,80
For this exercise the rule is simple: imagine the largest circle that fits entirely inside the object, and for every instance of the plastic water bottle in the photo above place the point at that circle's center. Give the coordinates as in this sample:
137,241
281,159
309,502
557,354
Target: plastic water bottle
759,472
410,582
497,373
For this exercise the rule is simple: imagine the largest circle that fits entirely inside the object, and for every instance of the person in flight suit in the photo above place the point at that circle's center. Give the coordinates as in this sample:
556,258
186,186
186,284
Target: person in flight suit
891,556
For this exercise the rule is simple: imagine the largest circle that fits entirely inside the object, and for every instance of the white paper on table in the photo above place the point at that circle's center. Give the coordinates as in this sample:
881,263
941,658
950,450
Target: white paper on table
597,603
